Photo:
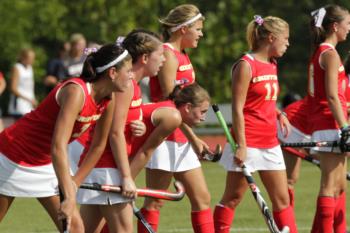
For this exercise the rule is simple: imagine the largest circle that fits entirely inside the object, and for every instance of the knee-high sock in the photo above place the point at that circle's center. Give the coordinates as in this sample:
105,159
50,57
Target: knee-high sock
285,217
291,197
202,221
339,224
323,220
223,217
152,217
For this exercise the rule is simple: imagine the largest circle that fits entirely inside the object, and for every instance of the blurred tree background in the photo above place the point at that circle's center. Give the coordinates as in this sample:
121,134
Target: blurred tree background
42,24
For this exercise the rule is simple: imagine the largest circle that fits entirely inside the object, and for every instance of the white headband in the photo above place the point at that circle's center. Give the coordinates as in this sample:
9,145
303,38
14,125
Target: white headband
173,29
112,63
319,15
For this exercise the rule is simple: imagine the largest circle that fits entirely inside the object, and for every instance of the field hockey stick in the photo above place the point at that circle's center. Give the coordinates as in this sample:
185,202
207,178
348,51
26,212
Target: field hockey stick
311,144
308,158
216,156
64,221
253,187
143,192
142,219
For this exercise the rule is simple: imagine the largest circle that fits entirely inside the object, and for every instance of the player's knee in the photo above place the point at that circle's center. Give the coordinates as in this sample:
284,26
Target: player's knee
154,204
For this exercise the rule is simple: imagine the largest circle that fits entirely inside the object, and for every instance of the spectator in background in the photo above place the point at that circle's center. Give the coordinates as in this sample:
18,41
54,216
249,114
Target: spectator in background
75,60
55,70
2,88
22,98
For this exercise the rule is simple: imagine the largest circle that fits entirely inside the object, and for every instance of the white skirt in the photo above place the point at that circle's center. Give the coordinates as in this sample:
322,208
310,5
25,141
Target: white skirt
21,181
257,159
174,157
294,136
110,176
75,149
325,135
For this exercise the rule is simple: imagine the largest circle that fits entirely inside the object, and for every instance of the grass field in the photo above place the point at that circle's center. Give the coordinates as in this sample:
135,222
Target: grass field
26,215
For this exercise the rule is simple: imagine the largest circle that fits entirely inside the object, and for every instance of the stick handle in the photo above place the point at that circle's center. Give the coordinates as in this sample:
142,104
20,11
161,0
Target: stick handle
64,221
224,126
311,144
142,219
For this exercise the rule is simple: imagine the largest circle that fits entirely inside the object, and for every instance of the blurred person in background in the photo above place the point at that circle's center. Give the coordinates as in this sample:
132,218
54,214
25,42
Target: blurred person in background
22,98
56,70
75,60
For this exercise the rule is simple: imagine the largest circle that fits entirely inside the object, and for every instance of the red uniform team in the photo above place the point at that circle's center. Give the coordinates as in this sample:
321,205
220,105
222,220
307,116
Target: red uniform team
107,103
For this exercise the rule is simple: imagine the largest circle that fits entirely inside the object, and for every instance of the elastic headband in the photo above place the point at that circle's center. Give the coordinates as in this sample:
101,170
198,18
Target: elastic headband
112,63
173,29
319,15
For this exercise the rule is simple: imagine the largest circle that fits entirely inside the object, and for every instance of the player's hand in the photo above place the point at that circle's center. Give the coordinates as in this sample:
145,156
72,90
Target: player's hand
129,187
66,211
240,155
284,124
138,128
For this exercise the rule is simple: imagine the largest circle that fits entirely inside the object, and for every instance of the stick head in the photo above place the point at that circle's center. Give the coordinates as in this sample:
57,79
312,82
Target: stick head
216,156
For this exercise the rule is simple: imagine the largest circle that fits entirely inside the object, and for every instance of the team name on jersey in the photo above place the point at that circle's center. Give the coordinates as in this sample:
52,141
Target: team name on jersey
185,67
136,103
264,78
89,118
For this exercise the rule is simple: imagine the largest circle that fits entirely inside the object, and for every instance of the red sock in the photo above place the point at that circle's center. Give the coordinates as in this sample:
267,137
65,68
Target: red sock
202,221
339,224
105,229
223,217
323,221
291,197
152,217
285,217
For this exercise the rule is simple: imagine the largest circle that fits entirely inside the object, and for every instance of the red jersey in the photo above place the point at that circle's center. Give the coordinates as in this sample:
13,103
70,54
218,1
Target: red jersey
148,110
28,141
321,117
260,106
184,74
134,113
346,87
298,115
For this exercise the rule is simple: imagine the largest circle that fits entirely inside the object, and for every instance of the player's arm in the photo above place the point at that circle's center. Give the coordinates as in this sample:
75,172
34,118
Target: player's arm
98,144
70,100
117,139
331,62
241,76
167,73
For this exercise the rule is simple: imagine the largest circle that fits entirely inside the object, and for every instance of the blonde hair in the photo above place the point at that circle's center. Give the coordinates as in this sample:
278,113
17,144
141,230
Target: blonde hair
258,32
177,16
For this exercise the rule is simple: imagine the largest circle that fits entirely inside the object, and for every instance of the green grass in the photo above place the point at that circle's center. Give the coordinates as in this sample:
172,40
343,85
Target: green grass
26,215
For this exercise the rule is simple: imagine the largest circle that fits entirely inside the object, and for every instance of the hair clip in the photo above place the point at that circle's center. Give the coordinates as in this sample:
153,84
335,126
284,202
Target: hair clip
88,51
119,40
258,20
319,15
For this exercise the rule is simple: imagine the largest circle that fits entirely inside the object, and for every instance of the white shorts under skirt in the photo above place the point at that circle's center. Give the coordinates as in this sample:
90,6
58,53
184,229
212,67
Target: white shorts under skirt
257,159
75,149
174,157
294,136
325,135
109,176
21,181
